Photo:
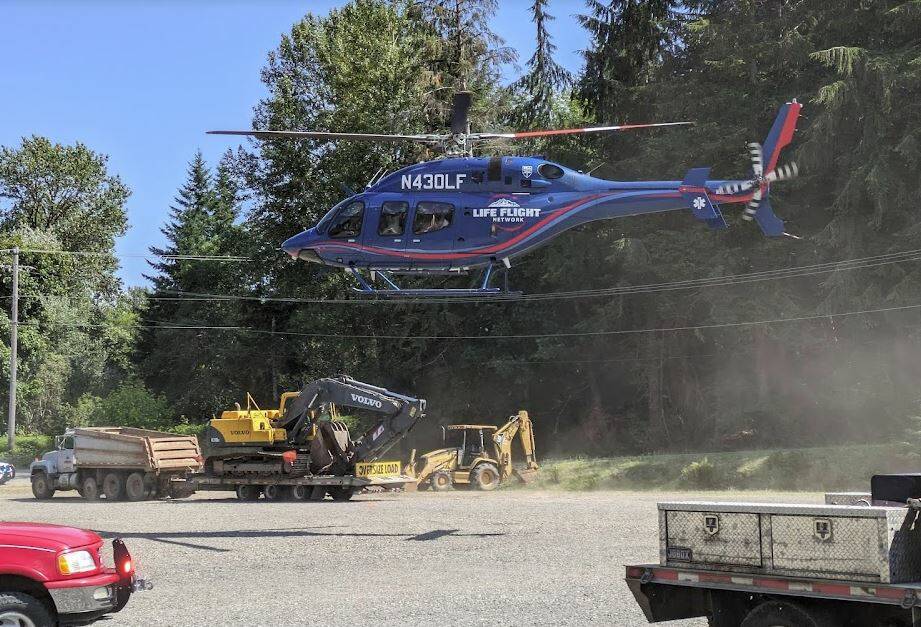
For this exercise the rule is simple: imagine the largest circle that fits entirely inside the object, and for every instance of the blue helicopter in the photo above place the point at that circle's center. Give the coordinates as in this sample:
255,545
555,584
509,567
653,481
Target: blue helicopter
461,213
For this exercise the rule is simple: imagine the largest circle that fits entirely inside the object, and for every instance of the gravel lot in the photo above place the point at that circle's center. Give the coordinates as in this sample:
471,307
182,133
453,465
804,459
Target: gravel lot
509,557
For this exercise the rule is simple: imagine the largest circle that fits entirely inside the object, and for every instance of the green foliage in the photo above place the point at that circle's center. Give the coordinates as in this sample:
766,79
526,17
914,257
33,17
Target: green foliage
131,405
28,447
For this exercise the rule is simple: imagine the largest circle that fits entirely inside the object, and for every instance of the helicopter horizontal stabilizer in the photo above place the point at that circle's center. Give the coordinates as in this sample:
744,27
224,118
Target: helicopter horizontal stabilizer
694,191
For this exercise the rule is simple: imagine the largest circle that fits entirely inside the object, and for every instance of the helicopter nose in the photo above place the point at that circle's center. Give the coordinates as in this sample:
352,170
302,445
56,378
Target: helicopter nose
298,246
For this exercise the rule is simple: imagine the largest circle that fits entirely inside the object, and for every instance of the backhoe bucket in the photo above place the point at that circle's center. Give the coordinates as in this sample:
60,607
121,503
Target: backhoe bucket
526,475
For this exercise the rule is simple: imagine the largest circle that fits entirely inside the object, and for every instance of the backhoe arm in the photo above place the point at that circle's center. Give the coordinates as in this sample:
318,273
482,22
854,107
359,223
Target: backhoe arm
521,426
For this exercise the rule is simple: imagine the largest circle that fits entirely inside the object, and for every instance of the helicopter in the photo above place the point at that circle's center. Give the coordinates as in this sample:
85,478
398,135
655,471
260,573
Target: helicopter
461,213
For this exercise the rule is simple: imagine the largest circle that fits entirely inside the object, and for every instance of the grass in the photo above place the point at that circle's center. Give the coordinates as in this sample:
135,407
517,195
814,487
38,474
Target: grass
813,469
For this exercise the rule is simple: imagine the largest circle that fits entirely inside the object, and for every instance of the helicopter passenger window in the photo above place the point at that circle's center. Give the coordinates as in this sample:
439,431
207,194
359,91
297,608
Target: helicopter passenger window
348,221
432,216
393,218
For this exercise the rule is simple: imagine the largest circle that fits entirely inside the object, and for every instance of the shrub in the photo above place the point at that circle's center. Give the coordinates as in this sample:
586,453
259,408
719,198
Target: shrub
701,474
28,447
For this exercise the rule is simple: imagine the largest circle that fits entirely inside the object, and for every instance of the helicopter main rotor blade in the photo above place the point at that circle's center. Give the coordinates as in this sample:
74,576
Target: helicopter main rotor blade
322,135
571,131
460,107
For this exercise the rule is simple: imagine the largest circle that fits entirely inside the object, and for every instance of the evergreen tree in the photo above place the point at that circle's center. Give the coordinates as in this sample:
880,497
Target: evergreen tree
544,79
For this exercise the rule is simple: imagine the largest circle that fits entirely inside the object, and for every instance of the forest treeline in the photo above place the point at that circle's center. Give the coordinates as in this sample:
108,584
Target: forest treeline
92,351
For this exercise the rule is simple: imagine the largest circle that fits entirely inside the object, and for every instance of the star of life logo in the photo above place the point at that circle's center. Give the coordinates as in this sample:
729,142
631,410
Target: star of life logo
700,203
506,210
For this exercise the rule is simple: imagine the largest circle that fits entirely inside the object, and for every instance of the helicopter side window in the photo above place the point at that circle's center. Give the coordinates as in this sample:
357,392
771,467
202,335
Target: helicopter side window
550,171
348,221
393,218
432,216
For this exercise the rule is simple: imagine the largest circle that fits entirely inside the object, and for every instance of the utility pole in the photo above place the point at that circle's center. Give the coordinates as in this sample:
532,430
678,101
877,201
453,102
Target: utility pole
14,341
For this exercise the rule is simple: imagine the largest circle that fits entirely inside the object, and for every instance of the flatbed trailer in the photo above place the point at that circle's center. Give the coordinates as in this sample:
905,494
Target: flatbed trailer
306,488
727,599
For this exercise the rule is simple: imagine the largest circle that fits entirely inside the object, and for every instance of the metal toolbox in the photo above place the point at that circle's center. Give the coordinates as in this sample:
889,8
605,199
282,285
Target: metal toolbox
879,544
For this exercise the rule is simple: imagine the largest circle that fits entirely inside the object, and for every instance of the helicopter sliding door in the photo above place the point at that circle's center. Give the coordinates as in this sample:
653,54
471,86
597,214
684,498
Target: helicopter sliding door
432,231
387,234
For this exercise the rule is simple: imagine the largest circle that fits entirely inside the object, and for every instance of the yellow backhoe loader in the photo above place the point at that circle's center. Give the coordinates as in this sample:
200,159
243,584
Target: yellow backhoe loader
476,455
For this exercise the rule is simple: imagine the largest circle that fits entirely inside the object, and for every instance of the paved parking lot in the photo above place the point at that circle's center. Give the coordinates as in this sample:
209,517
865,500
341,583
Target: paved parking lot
513,557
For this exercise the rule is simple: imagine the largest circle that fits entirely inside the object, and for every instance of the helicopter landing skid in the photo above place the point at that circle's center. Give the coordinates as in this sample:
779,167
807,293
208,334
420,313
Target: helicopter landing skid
392,290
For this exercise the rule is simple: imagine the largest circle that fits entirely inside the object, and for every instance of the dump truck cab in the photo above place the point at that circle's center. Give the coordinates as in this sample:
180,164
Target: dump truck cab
475,455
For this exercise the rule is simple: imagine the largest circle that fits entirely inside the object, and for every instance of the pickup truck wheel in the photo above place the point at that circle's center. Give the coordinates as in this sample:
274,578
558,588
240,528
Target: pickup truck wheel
23,610
485,477
787,614
41,486
89,489
113,486
442,481
135,489
248,492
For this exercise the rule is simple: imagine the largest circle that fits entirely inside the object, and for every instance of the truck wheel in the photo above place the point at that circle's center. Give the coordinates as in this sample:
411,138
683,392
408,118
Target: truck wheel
248,492
23,610
485,477
787,614
135,490
89,489
274,492
342,493
442,481
300,492
41,486
113,486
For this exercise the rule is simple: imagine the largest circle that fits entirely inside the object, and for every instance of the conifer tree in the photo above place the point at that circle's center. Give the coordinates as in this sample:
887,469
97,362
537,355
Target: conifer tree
544,78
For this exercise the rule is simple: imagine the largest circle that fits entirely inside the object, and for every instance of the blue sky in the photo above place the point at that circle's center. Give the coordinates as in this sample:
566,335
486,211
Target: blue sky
142,81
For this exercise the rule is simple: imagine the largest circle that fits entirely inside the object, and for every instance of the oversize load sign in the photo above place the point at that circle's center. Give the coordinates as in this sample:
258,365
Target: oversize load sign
377,469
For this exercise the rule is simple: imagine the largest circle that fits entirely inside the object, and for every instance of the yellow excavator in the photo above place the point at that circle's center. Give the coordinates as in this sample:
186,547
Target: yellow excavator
478,456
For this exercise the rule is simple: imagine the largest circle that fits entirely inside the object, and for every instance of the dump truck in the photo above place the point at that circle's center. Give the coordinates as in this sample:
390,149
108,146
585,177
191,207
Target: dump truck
301,450
478,456
117,462
853,560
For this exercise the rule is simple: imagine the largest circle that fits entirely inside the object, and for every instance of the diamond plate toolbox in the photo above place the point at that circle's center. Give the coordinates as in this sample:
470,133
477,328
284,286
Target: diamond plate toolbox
878,544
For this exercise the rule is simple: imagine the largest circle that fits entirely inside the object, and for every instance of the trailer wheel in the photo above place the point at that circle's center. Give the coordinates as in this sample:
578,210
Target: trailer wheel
135,490
485,477
248,492
41,486
89,489
274,492
113,486
18,608
342,493
442,481
787,614
300,492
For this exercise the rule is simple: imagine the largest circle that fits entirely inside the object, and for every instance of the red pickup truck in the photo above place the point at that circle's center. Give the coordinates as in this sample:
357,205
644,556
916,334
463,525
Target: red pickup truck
52,575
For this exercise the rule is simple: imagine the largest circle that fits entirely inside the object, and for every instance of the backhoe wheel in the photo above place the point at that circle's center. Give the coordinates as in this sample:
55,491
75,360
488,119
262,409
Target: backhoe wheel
485,477
41,486
23,610
113,486
300,492
442,481
275,492
248,492
89,489
135,490
342,493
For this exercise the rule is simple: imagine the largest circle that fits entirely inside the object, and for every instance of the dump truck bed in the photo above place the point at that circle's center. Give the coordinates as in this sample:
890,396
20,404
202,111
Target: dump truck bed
130,448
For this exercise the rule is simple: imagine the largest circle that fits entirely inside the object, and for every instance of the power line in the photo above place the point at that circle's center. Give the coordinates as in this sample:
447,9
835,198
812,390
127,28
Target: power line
726,280
90,253
722,325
